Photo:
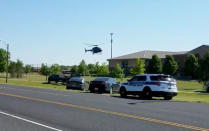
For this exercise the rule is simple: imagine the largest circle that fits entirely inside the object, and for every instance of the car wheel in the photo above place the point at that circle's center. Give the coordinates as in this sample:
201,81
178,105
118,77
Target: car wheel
123,92
207,90
147,93
168,97
49,81
67,87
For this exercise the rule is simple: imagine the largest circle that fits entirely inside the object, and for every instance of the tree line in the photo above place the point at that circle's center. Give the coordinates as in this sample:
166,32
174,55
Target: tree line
195,67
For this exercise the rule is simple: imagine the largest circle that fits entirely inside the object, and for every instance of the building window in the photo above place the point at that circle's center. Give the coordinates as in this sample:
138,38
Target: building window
124,64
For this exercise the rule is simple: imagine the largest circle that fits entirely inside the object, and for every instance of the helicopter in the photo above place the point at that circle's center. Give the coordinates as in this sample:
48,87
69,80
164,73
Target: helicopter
94,50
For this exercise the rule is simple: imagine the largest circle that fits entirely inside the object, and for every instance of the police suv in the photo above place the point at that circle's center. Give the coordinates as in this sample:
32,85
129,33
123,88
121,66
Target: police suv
149,85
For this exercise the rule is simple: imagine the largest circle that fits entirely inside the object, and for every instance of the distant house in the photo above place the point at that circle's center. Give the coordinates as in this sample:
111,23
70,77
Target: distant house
128,61
36,69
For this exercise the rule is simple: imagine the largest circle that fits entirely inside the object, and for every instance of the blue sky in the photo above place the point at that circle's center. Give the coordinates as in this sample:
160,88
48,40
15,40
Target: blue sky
54,31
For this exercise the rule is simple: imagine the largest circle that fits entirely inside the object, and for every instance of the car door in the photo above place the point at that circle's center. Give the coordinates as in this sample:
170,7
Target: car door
132,84
137,83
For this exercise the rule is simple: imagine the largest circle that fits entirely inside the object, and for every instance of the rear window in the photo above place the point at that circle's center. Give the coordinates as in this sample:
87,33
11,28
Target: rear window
76,79
61,76
101,79
161,78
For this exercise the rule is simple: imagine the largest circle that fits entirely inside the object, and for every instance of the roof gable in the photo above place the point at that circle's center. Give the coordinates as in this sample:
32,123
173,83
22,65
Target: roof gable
201,50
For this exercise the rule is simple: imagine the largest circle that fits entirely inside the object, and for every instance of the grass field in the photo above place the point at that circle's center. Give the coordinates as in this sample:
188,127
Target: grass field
190,91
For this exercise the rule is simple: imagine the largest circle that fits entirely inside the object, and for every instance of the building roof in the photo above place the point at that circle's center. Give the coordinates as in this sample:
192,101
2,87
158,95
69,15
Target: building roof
147,54
201,49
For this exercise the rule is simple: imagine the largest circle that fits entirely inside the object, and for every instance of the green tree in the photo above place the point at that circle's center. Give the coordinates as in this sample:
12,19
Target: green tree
91,68
139,67
117,72
103,70
55,69
204,69
83,68
170,66
45,70
96,68
74,69
3,60
27,69
12,69
155,65
19,69
191,65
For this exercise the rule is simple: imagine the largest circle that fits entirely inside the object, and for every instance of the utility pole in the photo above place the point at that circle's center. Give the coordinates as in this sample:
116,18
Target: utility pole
111,34
7,63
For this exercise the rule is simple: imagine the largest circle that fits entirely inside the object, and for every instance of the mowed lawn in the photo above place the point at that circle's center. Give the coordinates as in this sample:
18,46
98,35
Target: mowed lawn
33,80
190,91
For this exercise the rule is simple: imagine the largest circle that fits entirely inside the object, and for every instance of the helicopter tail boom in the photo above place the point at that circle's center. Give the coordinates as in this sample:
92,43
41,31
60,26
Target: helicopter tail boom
87,50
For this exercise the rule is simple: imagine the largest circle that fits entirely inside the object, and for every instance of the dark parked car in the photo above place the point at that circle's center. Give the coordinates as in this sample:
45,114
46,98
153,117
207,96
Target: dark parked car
103,84
76,83
57,78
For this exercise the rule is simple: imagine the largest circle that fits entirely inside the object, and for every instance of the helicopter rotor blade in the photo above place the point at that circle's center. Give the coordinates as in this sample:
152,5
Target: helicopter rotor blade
91,45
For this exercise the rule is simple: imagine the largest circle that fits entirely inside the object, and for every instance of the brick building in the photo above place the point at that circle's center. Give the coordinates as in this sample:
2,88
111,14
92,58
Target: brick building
128,61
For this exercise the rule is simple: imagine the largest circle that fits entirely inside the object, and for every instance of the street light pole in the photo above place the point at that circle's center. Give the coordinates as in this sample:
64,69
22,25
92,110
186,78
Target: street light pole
7,63
111,34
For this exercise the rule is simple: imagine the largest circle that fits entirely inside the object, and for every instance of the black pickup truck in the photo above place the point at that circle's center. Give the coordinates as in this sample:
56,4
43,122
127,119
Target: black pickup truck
57,78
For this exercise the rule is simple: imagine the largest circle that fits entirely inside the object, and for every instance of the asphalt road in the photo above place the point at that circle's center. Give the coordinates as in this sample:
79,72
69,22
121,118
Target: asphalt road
32,109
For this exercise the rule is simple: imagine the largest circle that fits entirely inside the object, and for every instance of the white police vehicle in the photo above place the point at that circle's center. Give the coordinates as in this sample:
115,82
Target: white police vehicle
149,85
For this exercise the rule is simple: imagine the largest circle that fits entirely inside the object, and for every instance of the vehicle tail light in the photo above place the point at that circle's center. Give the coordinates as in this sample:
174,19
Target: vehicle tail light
105,82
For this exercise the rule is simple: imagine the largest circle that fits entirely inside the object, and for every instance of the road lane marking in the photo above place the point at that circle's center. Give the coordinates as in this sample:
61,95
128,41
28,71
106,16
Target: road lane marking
29,121
109,112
